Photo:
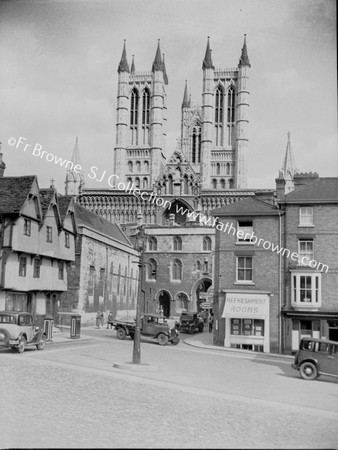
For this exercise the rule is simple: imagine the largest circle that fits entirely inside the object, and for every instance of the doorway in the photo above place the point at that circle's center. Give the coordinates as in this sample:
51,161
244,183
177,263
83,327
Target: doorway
164,303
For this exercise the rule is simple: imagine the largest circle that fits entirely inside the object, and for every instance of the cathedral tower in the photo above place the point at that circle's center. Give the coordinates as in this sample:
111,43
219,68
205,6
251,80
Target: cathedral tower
141,121
215,136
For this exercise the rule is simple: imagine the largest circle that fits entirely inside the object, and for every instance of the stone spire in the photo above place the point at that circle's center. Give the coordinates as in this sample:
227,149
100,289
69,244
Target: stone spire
157,64
244,59
186,100
123,66
289,169
207,62
74,176
165,76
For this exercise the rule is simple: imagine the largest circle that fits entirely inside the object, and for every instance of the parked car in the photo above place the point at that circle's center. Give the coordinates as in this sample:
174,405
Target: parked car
316,357
191,322
152,325
17,331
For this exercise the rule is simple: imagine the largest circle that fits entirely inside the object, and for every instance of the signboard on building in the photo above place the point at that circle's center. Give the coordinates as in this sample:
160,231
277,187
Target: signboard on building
246,305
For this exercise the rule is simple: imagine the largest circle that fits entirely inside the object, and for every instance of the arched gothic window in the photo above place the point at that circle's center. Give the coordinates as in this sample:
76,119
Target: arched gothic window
170,185
206,243
137,182
183,300
219,116
218,169
145,183
227,168
198,265
177,243
130,166
133,116
177,269
151,269
214,183
152,244
230,113
146,166
138,166
196,144
222,181
145,116
185,185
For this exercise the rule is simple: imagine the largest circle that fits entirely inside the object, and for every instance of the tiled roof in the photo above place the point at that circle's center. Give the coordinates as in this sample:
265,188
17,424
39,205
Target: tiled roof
64,202
46,196
14,192
247,207
85,217
321,190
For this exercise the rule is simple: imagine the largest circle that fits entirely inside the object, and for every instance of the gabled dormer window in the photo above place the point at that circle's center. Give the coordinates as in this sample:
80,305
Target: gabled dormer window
27,227
67,239
49,234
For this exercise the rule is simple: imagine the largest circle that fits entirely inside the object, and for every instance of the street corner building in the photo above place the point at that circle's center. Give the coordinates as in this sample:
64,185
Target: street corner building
310,306
247,276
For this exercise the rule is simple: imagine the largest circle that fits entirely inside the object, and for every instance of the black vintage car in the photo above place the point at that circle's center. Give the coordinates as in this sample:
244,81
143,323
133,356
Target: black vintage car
191,323
17,331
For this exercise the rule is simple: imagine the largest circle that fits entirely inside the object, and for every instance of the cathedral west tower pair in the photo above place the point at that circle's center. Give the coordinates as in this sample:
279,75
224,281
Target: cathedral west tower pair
214,137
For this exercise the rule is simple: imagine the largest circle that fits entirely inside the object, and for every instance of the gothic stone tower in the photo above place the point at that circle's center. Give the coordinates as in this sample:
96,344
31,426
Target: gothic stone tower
215,137
141,121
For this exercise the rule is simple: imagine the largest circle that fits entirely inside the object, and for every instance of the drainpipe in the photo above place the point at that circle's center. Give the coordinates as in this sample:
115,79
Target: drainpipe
280,288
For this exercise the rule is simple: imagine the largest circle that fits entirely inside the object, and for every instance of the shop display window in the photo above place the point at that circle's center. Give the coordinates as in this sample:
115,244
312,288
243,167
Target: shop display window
247,327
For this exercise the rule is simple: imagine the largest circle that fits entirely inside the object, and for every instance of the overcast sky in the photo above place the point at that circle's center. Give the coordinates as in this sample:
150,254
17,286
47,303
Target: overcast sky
59,62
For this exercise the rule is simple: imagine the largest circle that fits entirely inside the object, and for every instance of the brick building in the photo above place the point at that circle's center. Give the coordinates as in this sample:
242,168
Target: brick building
310,307
247,276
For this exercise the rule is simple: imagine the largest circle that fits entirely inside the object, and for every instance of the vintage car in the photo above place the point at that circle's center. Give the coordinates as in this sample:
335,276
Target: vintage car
190,322
152,325
316,357
17,331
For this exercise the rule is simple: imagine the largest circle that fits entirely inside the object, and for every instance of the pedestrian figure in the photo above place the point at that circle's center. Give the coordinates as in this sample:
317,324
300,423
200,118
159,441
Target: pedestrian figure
211,323
110,319
102,319
98,318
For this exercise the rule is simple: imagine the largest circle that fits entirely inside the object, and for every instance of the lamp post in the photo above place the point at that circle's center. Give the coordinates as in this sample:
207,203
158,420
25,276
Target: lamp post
137,336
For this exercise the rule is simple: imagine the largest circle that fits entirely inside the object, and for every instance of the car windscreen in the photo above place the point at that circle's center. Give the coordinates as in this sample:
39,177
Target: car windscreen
7,319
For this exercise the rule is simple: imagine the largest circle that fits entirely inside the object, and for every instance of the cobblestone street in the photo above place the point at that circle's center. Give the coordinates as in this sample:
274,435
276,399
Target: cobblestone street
71,396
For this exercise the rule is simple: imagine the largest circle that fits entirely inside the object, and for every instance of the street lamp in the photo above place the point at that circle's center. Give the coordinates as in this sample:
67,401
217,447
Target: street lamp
140,241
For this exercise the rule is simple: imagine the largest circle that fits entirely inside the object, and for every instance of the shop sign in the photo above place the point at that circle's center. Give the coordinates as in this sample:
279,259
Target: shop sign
246,305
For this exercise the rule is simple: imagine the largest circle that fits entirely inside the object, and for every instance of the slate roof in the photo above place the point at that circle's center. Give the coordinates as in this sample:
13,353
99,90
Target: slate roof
247,207
321,190
64,202
85,217
46,196
14,192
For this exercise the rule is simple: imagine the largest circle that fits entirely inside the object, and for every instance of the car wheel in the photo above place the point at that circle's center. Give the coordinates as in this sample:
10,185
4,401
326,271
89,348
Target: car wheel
131,335
42,344
175,341
14,349
121,333
191,330
308,371
22,344
162,339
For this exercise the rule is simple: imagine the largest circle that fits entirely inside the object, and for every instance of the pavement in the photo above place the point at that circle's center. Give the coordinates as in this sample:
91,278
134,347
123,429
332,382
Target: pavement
199,340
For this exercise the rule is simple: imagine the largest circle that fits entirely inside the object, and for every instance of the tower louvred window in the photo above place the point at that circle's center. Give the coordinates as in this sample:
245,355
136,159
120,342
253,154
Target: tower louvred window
219,115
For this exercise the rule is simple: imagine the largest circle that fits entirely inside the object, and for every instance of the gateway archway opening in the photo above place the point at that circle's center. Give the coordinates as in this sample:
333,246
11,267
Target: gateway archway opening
164,303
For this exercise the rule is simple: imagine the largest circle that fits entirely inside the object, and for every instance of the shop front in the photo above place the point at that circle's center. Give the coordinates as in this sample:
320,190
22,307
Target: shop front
314,324
247,324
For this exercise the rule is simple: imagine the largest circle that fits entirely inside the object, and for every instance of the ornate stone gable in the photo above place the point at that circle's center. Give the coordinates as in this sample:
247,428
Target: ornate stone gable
178,177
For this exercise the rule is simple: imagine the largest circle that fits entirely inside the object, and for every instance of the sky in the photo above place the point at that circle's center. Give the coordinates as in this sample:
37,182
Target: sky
58,77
